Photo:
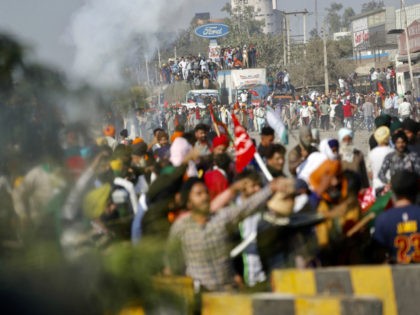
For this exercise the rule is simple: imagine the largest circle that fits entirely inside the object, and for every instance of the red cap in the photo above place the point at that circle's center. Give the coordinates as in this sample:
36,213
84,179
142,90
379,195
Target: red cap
220,140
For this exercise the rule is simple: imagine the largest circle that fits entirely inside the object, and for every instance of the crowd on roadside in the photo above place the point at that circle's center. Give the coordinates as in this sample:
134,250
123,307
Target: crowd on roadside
325,112
203,191
355,111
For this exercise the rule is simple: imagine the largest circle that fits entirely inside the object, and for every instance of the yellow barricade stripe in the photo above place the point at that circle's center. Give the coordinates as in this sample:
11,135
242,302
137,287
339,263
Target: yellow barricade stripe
375,281
226,304
294,281
317,306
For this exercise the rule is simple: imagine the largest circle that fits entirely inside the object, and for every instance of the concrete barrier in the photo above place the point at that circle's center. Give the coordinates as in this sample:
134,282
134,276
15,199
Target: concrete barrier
286,304
397,287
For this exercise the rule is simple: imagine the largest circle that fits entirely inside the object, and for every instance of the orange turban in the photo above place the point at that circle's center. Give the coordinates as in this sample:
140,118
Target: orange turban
175,135
137,140
320,179
109,131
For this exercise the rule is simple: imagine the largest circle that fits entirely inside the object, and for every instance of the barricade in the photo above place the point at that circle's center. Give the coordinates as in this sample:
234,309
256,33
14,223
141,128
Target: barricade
397,287
286,304
180,289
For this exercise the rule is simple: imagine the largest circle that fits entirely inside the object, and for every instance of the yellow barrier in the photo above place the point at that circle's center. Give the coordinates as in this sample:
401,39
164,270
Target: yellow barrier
396,286
272,303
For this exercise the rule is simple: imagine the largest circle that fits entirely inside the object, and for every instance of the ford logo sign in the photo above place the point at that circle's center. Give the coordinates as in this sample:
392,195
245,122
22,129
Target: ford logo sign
212,30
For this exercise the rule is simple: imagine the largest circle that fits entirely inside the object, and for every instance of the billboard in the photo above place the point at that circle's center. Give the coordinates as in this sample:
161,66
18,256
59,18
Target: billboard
213,30
361,39
248,77
360,33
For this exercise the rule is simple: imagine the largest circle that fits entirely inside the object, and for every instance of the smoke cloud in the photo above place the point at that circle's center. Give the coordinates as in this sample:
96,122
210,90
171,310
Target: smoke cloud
103,33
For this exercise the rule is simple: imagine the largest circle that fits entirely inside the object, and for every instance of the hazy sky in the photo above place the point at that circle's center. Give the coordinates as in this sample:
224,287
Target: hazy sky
43,24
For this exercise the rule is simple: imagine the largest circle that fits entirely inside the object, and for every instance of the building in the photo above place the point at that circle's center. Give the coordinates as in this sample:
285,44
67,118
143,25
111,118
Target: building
413,13
401,59
264,10
372,45
341,35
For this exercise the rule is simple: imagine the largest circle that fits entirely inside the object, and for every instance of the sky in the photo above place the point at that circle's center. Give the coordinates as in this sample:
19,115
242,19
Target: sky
47,27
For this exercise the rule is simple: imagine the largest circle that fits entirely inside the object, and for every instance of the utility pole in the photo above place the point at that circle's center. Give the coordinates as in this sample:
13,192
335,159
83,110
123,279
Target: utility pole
316,17
160,63
147,69
304,33
326,80
288,38
284,42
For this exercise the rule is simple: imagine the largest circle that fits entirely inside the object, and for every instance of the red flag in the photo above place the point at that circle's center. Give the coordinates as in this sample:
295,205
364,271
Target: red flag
253,92
236,106
244,147
381,88
222,128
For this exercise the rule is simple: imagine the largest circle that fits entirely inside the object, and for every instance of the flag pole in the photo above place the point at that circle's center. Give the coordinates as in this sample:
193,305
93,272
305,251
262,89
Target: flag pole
263,167
216,127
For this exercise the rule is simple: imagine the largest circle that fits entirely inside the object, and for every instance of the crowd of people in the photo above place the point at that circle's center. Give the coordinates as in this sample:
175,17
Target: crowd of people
354,111
228,227
325,112
200,70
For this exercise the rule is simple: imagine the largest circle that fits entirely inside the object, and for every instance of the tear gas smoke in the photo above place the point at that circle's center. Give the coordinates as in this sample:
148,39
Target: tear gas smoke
103,33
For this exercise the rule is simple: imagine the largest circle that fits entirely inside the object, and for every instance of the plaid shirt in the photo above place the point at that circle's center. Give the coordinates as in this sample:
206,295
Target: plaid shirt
206,247
393,162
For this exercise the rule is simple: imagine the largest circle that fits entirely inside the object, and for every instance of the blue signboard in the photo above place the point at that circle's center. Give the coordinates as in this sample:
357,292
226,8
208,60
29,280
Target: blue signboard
213,30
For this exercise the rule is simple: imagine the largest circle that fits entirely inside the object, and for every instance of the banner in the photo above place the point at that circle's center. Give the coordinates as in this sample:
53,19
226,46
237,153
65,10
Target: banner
244,147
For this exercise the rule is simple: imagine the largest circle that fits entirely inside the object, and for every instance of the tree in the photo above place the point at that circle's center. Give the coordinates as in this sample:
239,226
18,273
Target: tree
333,18
372,5
227,8
346,18
308,71
11,59
313,33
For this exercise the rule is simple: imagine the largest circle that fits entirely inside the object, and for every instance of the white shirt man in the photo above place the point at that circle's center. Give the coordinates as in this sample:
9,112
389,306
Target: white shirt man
342,84
388,104
305,111
204,66
374,75
404,109
286,77
183,65
244,97
375,160
395,101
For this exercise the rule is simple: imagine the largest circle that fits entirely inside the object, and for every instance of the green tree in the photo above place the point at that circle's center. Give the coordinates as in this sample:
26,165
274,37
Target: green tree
346,18
309,70
227,8
372,5
313,33
333,18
